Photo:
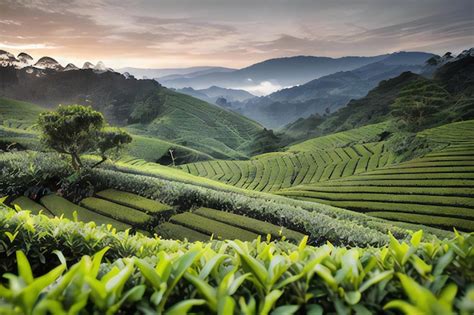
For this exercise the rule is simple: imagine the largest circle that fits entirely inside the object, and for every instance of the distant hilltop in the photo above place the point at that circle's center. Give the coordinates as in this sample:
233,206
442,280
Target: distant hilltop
24,60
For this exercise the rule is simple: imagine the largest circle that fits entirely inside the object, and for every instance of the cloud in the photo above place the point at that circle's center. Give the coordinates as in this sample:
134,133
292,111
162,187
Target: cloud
173,33
26,46
457,27
264,88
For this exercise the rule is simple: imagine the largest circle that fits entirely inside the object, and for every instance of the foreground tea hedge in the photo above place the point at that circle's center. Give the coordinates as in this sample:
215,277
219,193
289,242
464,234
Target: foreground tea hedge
139,275
321,222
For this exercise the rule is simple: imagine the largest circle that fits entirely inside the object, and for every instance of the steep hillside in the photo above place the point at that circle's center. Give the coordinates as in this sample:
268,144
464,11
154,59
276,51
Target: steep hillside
197,124
328,93
449,93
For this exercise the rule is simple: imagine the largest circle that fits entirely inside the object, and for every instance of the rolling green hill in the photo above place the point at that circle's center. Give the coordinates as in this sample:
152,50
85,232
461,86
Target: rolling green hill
18,121
143,106
320,159
351,170
194,123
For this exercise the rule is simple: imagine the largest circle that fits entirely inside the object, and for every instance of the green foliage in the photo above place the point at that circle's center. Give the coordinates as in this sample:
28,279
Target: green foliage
256,226
169,230
21,170
117,211
61,207
135,201
418,103
208,226
76,130
112,138
225,277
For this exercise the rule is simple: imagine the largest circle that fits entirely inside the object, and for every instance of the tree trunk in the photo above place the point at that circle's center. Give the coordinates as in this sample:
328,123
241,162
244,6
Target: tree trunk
104,158
76,161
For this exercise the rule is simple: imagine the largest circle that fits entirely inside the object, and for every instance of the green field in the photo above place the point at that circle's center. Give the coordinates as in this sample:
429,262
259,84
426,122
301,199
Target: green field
152,142
59,206
321,159
435,189
349,170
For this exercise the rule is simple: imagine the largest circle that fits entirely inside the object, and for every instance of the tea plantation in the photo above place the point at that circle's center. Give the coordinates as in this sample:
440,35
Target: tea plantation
350,171
355,222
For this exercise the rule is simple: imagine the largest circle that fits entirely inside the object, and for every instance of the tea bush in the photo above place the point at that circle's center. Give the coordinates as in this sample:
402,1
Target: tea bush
140,275
320,222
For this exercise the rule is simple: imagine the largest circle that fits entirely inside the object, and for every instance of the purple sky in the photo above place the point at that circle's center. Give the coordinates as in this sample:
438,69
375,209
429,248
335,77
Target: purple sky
232,33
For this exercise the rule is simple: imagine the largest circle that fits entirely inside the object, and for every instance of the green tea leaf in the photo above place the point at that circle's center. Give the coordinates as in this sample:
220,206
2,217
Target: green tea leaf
24,268
183,308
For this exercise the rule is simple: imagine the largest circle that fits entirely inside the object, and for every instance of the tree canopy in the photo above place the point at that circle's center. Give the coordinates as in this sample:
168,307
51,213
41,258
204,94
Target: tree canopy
75,130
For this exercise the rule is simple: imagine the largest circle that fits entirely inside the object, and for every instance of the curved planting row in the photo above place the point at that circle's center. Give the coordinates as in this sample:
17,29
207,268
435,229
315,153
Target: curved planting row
437,189
120,209
274,171
203,223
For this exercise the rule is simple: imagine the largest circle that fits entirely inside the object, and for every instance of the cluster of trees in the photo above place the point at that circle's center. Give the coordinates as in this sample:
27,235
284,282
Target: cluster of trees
76,130
418,104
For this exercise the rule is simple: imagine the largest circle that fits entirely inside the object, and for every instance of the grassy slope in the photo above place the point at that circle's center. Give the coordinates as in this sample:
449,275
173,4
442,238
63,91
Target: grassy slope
16,111
202,126
17,124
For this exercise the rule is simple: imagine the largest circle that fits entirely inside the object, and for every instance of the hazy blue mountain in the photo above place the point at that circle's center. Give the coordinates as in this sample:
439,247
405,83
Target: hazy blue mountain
172,73
289,71
451,85
329,93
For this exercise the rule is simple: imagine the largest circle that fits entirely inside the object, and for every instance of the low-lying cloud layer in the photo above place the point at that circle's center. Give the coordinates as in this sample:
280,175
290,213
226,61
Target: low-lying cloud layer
177,33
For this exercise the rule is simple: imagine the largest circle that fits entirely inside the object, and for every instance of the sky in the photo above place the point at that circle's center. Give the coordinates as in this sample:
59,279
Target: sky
230,33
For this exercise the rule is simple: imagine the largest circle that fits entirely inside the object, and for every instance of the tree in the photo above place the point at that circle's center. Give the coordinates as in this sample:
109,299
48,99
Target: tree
111,139
413,111
76,130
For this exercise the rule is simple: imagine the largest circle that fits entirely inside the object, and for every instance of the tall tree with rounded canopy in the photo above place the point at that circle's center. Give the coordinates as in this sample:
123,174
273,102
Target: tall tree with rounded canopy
76,130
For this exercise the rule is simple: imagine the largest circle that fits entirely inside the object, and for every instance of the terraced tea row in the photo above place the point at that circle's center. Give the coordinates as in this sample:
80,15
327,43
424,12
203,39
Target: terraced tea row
274,171
125,210
203,223
120,209
437,189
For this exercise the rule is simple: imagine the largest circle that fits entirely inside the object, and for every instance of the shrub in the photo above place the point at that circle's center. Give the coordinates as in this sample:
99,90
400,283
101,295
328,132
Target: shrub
225,277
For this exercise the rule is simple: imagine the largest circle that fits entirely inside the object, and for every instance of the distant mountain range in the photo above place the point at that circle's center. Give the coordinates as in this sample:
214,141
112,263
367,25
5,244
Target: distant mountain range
284,72
172,73
446,82
328,93
23,60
